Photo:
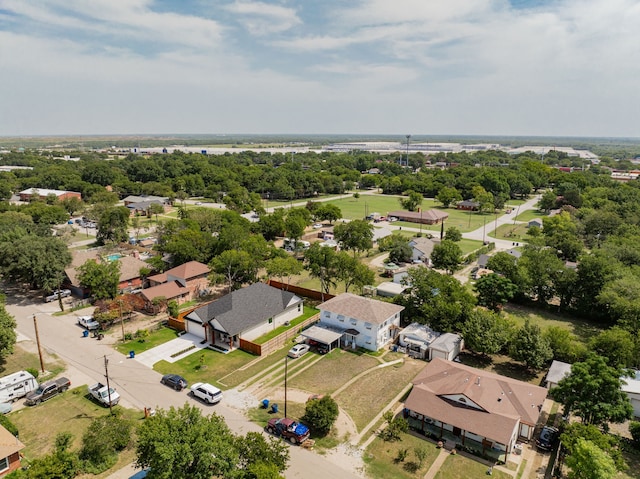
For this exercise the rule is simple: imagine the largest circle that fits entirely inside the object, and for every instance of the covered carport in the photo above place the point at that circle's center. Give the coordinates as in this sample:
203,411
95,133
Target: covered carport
322,336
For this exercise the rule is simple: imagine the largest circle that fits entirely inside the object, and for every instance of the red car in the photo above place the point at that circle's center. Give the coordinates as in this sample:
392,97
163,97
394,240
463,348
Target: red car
291,430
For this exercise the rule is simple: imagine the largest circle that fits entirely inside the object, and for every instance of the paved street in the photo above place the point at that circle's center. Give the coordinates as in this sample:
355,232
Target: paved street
138,385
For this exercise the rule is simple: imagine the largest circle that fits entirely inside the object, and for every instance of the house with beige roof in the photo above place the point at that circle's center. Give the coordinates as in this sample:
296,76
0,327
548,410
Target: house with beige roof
478,409
10,447
191,275
364,322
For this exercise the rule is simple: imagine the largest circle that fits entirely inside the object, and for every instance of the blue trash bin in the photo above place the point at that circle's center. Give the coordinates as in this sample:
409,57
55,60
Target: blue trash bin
132,354
265,403
85,333
274,408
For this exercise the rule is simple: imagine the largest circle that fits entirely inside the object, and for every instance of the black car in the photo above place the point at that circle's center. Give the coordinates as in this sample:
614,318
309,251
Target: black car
548,437
173,380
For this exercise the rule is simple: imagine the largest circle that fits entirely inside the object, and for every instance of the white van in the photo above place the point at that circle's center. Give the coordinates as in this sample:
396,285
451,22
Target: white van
16,386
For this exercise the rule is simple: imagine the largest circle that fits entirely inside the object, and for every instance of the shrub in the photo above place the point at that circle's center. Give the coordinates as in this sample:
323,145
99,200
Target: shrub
321,414
634,429
34,372
8,425
105,437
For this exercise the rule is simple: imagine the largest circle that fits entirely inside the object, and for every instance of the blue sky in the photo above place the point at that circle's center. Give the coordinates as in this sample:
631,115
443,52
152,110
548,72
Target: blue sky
492,67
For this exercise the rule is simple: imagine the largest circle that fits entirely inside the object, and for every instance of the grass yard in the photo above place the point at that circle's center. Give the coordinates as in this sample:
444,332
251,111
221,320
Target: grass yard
354,209
22,359
379,387
381,458
335,369
457,466
206,366
155,338
308,312
511,232
71,411
468,246
530,214
581,328
233,378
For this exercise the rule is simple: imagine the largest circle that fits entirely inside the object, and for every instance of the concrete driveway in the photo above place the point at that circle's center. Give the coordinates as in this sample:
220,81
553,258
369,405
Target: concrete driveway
139,386
169,351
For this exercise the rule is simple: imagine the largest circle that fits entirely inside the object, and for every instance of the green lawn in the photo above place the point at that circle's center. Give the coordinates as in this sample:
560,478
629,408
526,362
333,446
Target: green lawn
308,312
381,458
530,214
262,366
511,232
457,466
71,411
581,328
155,338
468,246
21,360
206,366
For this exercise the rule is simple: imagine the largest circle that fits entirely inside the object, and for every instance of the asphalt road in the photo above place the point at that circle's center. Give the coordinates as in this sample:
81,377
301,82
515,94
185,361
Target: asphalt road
138,385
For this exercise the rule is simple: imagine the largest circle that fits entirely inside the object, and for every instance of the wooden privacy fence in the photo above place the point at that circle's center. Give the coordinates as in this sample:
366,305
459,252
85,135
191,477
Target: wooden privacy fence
307,293
279,341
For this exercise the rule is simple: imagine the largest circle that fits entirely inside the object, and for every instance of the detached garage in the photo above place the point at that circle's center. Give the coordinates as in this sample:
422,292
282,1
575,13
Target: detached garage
446,346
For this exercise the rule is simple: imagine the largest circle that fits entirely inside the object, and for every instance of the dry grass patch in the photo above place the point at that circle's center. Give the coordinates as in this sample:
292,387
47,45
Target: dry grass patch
335,369
371,393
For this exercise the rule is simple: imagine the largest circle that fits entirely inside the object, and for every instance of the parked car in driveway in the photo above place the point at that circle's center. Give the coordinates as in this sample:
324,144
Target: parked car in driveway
174,381
548,437
206,392
47,390
298,350
54,295
88,322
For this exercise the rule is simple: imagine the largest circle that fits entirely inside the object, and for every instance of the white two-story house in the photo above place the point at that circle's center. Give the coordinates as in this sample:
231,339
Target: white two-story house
365,322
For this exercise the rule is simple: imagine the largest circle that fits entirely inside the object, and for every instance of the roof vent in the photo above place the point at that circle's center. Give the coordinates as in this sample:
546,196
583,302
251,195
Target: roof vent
478,381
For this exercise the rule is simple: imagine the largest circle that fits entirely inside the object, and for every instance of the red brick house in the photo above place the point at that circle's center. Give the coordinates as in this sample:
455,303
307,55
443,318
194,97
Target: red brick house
43,194
10,447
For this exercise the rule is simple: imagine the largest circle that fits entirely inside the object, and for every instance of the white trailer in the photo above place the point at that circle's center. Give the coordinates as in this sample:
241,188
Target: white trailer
16,386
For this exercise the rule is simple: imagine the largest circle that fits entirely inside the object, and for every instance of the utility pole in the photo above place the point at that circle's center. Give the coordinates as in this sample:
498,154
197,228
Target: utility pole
35,325
408,138
286,363
106,374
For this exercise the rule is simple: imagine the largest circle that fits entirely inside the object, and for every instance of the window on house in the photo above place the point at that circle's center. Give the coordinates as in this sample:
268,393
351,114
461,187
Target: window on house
462,400
270,320
340,318
299,307
354,322
327,314
367,325
4,464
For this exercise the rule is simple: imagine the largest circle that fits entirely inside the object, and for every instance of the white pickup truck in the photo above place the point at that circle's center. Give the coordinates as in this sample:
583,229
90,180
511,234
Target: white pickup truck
54,296
105,396
88,322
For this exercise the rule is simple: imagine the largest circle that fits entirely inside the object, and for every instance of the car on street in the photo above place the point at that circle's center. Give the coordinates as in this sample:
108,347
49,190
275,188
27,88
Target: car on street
87,322
206,393
174,381
547,439
298,350
317,226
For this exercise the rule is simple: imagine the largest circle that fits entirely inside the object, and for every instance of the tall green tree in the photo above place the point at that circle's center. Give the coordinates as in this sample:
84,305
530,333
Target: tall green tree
588,461
328,212
494,291
155,209
7,330
283,267
530,346
447,196
540,267
486,332
446,255
322,263
112,225
321,414
182,444
592,391
234,267
356,235
412,200
101,278
436,299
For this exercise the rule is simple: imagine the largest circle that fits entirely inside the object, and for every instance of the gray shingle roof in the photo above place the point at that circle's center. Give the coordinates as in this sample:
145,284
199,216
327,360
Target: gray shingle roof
245,308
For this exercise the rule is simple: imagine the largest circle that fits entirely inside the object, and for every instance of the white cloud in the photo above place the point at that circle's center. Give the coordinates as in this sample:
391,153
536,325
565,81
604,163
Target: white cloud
261,18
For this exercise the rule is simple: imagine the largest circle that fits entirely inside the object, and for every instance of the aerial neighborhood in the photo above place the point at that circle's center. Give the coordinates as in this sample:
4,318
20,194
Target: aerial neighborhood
345,310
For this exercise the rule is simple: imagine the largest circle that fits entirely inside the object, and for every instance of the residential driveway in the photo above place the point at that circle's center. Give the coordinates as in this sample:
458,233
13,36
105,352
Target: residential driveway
171,351
139,386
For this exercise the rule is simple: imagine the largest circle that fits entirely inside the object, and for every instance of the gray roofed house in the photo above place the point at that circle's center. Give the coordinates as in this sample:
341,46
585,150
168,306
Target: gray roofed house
247,314
446,346
422,247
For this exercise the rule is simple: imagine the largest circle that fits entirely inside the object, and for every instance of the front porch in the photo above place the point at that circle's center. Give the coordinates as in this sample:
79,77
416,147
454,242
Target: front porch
456,438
